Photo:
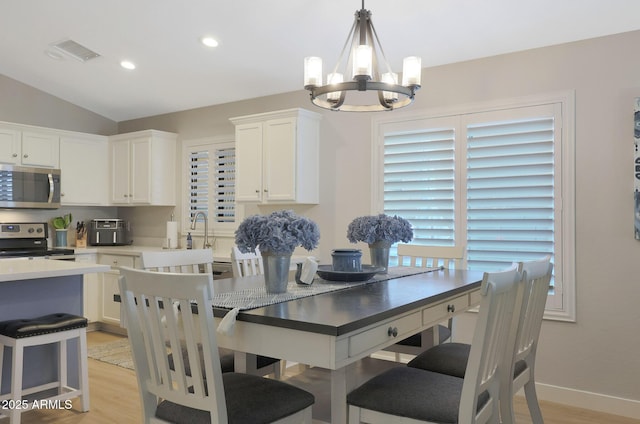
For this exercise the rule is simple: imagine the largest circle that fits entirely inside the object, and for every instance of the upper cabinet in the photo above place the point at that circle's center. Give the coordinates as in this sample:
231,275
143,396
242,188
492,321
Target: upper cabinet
85,169
27,147
277,157
143,168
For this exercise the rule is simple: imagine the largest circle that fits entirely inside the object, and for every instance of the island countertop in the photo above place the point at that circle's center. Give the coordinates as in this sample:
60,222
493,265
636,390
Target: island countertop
29,268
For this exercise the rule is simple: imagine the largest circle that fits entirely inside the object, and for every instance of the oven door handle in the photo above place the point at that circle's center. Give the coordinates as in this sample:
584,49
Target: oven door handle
51,188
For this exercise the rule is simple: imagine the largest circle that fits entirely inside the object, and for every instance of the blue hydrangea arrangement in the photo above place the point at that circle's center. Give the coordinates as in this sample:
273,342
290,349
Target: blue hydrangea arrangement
280,233
382,227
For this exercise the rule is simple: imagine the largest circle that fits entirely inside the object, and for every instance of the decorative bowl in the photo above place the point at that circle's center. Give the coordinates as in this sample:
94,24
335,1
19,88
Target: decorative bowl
326,272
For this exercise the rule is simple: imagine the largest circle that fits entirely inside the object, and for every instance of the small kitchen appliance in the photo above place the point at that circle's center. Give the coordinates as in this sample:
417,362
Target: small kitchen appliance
109,232
25,239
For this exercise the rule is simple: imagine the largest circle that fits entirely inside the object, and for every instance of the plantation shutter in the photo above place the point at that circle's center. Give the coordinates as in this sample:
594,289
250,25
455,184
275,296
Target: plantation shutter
198,182
224,180
419,181
211,182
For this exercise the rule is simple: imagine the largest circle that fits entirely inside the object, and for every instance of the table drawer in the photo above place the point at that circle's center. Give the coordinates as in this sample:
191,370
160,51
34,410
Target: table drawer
444,310
381,334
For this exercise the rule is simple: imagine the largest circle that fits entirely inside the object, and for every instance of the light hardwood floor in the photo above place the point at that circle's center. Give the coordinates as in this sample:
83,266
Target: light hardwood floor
114,399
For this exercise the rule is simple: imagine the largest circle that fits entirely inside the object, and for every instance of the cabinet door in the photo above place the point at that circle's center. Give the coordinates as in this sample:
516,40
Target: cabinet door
141,170
249,162
279,150
84,171
110,308
9,146
120,168
91,290
40,149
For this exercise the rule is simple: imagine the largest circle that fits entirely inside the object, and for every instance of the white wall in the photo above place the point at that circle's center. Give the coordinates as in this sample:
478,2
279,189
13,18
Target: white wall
594,361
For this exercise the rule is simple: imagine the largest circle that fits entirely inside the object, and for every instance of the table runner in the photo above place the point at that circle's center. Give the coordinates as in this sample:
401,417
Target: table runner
258,297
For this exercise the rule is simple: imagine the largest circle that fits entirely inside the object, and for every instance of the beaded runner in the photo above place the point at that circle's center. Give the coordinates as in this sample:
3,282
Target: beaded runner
258,297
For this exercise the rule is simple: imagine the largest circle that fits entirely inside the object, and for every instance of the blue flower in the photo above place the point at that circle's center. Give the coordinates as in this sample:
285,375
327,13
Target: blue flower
280,232
371,229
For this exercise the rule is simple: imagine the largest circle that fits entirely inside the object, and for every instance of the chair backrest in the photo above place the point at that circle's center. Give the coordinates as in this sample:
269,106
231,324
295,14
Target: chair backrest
192,261
538,277
246,264
431,256
490,355
154,333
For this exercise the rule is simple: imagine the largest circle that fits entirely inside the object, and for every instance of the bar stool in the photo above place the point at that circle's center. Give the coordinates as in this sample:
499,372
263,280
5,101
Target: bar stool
54,328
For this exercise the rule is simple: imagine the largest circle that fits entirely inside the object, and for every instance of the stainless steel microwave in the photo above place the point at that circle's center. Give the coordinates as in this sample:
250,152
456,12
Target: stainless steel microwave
24,187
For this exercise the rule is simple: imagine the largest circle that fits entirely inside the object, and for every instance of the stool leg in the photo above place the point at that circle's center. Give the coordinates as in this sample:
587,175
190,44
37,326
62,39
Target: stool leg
16,381
62,365
83,370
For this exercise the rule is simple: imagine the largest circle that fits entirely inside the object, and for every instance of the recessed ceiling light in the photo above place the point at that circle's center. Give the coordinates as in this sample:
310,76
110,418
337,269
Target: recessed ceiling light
127,64
209,41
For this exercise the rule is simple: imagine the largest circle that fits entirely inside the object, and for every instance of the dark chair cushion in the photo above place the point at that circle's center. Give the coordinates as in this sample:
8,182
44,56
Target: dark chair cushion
451,359
226,360
250,400
413,393
52,323
416,340
446,358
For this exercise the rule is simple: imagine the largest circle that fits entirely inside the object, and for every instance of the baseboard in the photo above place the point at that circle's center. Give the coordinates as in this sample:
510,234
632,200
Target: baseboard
588,400
107,328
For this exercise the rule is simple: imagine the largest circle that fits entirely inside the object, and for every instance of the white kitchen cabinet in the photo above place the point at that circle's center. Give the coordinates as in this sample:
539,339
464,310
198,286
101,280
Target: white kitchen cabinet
29,147
109,309
277,157
85,170
143,168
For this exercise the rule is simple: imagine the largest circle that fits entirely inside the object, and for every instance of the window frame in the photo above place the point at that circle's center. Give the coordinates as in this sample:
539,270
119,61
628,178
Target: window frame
216,229
560,308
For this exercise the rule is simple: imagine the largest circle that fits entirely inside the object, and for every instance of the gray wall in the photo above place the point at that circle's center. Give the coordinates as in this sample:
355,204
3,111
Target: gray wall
598,353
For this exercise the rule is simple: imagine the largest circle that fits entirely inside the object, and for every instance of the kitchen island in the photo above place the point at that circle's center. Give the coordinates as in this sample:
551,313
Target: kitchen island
31,288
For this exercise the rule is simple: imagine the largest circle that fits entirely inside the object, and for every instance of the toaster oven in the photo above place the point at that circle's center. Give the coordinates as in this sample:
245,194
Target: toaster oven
109,232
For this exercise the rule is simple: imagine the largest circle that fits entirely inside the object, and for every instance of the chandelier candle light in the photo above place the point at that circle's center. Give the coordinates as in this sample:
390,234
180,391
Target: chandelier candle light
365,50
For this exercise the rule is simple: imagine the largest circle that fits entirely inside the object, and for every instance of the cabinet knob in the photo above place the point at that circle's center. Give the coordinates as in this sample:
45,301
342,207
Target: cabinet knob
257,191
392,331
265,190
61,194
15,155
25,155
451,308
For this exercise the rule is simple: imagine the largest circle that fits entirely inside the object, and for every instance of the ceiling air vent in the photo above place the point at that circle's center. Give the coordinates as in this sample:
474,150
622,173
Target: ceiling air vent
75,50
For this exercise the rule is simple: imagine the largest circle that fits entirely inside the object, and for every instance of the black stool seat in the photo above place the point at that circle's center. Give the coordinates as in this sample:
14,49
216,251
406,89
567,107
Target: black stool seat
52,323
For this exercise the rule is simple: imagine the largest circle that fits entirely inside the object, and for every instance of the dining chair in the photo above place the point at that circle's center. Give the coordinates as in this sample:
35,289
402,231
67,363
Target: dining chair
201,261
246,264
413,395
452,358
427,257
205,394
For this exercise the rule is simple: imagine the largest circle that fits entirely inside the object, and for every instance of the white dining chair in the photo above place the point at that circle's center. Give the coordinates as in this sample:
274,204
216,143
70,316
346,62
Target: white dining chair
452,358
427,257
201,261
246,264
412,395
203,394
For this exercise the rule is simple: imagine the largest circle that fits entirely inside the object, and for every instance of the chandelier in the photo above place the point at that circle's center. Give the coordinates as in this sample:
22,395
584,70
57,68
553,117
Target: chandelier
370,89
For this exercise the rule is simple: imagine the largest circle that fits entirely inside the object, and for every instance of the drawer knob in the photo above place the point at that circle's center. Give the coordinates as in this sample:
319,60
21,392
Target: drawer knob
451,308
392,331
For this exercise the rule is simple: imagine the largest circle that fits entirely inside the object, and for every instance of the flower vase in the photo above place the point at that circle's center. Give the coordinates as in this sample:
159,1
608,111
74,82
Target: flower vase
379,251
276,271
61,238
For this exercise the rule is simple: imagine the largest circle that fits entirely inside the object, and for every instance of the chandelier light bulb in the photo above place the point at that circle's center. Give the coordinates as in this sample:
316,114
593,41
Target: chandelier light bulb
332,79
312,71
411,70
363,61
390,78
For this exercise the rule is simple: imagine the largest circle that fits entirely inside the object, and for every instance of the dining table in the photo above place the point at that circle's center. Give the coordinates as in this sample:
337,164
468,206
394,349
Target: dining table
334,324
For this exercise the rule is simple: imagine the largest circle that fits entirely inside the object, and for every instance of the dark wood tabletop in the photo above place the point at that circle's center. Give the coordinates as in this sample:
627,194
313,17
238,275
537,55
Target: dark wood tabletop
343,311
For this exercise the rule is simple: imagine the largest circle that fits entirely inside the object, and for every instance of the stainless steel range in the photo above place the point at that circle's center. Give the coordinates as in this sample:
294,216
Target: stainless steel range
28,239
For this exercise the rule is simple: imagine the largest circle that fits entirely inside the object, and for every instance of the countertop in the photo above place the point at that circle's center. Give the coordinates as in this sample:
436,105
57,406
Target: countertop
136,250
29,269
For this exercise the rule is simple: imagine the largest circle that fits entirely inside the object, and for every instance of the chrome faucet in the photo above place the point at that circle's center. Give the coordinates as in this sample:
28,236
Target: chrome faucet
205,243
